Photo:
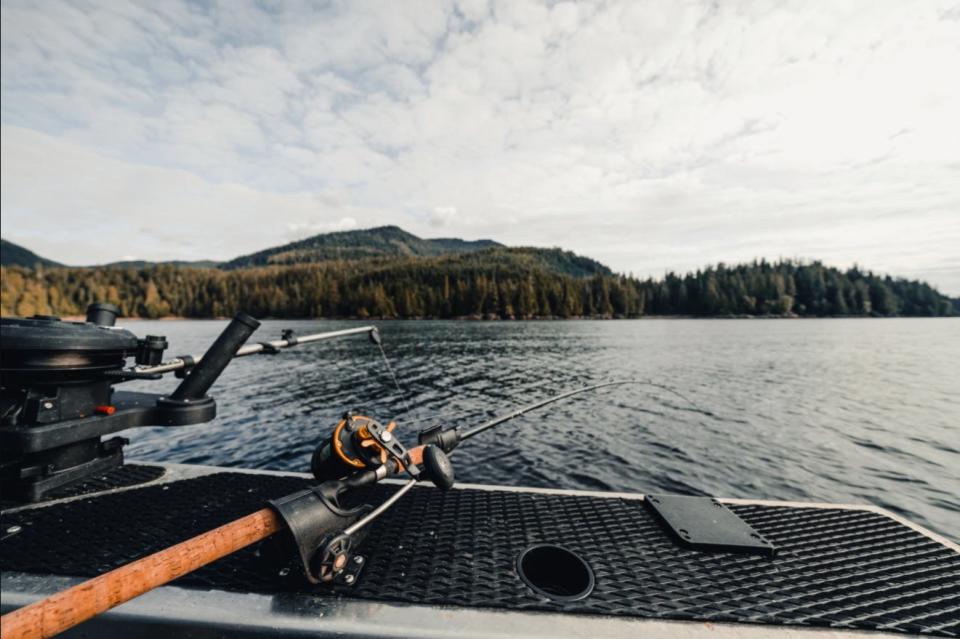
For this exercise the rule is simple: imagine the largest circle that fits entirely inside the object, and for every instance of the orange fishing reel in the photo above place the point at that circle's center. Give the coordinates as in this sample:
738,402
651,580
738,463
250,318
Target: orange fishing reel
358,443
359,452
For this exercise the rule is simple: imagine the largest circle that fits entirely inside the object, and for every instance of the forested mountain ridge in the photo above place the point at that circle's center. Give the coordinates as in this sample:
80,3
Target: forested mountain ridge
12,254
383,241
15,255
496,282
148,264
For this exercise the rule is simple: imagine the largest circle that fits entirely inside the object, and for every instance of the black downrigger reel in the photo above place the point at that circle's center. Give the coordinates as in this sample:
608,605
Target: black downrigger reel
57,396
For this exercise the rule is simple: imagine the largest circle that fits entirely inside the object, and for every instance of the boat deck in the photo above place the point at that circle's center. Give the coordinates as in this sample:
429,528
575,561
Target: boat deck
445,562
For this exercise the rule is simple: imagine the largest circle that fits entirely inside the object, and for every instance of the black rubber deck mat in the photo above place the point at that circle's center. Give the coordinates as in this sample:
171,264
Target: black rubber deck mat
121,477
836,568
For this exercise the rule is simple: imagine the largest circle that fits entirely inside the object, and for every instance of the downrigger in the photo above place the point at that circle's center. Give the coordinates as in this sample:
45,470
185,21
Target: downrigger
58,401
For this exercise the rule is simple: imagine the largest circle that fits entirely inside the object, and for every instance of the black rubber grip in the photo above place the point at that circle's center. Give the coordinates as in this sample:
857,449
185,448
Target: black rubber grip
204,374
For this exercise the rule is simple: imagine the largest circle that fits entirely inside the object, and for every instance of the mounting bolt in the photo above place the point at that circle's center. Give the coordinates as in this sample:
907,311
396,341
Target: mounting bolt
47,405
349,579
358,559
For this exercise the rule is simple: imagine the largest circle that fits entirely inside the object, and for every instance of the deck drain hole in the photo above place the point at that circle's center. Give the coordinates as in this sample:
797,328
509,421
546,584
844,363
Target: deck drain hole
555,572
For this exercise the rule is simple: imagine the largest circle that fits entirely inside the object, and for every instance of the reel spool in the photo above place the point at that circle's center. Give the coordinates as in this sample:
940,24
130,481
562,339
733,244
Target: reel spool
357,442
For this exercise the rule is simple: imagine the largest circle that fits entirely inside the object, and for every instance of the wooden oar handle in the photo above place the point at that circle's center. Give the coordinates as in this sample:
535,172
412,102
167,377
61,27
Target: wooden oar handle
66,609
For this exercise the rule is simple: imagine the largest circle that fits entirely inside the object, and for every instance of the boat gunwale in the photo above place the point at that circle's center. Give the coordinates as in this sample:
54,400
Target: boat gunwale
303,615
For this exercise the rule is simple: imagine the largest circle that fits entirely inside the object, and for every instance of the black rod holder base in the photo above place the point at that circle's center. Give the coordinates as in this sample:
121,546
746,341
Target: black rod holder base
313,518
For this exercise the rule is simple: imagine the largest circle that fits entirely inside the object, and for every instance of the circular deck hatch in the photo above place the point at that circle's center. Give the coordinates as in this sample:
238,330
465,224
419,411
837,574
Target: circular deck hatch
555,572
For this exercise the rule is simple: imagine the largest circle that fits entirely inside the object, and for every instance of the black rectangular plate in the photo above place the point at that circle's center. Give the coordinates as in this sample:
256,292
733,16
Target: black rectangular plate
703,523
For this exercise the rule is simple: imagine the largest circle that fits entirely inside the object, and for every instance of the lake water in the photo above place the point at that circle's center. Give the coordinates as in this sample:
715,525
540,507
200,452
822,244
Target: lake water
833,410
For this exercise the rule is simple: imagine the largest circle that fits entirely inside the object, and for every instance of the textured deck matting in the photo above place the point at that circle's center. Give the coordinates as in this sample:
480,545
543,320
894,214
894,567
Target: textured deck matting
120,477
837,568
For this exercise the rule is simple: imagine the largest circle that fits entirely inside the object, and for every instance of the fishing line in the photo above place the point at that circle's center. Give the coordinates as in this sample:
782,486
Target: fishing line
396,382
669,389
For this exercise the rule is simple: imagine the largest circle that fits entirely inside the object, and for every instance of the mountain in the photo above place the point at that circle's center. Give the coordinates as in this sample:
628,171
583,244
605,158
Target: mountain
138,264
387,272
378,246
383,241
530,258
15,255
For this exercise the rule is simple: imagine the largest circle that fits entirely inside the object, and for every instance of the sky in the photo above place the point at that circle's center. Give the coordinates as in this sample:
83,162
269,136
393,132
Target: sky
652,136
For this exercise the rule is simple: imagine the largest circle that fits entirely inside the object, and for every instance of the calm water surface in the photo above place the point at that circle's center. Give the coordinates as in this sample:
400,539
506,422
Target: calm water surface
835,410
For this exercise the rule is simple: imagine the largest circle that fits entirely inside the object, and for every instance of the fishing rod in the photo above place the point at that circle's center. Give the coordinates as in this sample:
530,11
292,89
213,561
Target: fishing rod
639,382
449,439
312,523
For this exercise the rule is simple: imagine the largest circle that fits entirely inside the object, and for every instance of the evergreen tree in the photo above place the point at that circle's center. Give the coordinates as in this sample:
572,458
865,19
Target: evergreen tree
500,282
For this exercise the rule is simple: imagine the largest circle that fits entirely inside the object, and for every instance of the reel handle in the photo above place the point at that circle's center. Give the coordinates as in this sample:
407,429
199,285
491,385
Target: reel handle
438,468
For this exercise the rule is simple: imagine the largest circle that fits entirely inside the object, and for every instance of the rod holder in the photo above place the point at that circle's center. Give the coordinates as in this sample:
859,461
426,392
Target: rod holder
102,314
206,372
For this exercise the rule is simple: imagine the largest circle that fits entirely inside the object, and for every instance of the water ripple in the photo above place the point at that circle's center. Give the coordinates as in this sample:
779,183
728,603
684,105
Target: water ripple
847,411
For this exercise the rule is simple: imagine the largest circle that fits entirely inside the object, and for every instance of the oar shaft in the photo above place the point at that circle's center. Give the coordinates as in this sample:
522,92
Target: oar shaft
66,609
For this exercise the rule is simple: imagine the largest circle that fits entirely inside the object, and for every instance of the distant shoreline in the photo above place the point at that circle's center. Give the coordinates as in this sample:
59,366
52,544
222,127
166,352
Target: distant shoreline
487,284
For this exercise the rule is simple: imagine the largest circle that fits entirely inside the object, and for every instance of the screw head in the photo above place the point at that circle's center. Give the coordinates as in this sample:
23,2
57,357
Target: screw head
358,559
47,405
349,579
14,529
386,436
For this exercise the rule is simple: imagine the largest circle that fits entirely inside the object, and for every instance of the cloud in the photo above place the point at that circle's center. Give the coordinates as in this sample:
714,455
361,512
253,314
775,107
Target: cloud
443,215
100,208
652,136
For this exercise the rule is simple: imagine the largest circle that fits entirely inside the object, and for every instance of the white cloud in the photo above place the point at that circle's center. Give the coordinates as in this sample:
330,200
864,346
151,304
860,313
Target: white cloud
651,136
99,208
443,216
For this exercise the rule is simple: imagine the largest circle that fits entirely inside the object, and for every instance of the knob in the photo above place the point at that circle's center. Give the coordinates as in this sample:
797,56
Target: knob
438,467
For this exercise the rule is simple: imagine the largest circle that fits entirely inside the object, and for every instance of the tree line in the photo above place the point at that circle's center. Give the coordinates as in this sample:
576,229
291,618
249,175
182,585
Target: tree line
497,283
